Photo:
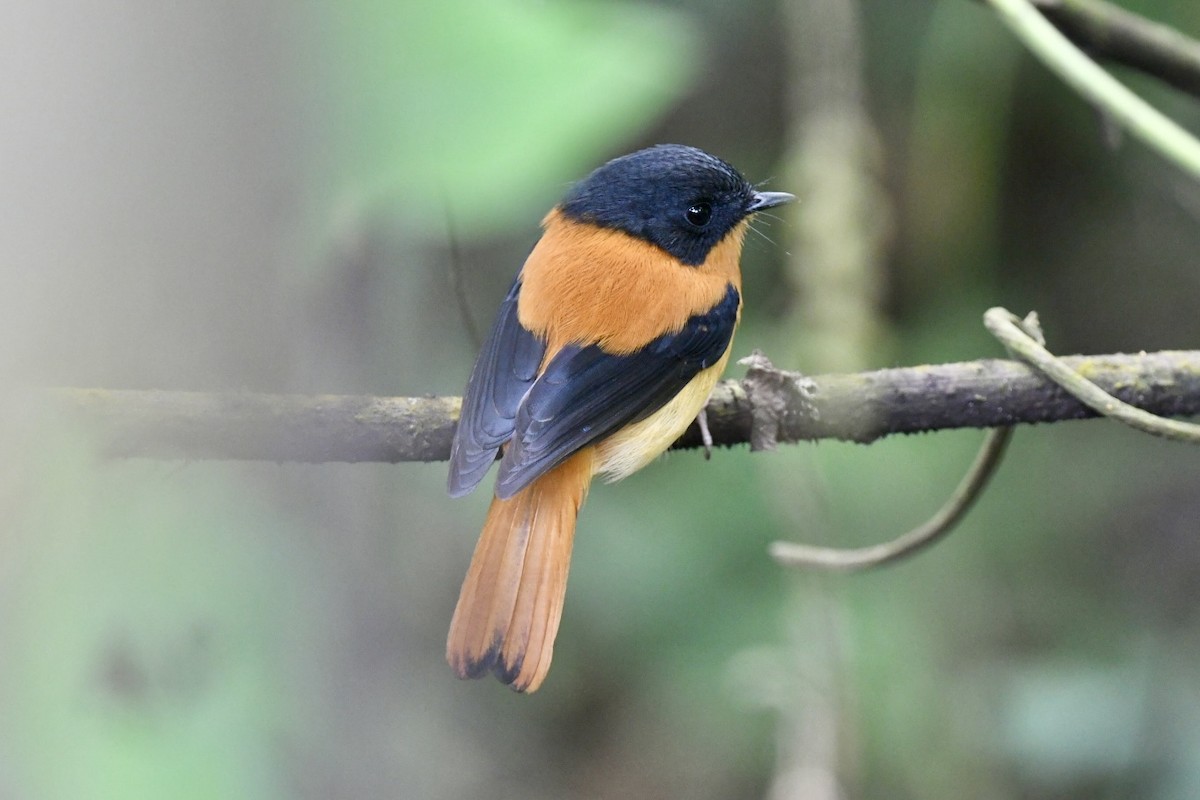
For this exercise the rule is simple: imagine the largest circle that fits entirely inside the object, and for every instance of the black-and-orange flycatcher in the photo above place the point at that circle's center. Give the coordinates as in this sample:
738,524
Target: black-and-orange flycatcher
604,351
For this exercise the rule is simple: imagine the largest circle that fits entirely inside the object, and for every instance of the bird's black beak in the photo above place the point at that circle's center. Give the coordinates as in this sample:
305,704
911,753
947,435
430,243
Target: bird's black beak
763,200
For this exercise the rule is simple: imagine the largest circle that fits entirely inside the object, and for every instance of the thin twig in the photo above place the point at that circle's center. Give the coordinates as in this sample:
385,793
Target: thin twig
1022,338
837,559
969,489
458,283
1109,32
1097,86
1013,332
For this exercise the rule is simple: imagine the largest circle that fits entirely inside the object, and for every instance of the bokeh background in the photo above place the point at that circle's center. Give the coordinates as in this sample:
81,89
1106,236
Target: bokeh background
272,196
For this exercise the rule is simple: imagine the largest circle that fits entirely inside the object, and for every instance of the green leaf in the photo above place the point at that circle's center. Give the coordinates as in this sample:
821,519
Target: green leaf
466,105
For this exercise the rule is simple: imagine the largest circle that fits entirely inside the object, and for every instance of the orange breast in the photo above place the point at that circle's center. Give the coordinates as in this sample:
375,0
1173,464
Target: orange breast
588,285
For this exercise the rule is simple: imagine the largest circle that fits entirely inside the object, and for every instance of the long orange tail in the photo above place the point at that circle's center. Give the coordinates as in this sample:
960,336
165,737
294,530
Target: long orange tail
512,598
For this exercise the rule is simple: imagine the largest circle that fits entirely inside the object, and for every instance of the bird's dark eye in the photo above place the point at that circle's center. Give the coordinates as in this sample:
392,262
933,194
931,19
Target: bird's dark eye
699,214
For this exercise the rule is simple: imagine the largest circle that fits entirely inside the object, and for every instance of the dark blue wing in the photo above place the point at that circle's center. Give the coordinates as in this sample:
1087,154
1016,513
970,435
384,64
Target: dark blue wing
506,368
585,393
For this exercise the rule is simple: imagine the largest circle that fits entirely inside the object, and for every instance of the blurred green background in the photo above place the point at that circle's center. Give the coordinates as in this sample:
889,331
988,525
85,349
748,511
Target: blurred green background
264,196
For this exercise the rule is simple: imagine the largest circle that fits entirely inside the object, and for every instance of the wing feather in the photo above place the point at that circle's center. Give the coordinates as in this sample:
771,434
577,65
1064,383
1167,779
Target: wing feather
504,371
585,393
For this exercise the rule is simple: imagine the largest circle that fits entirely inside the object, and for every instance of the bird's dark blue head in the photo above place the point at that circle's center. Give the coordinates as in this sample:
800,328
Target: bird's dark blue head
676,197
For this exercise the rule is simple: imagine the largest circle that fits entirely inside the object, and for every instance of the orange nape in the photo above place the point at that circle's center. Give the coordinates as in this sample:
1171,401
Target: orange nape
512,598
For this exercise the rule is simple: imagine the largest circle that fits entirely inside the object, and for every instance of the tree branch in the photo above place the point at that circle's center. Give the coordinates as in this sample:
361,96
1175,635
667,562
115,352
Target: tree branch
766,407
1097,86
1110,32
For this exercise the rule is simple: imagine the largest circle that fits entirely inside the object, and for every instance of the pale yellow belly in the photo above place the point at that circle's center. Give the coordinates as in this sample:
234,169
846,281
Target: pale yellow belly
635,446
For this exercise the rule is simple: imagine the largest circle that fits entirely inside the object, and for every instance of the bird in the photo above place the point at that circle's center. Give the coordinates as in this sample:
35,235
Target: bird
604,350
